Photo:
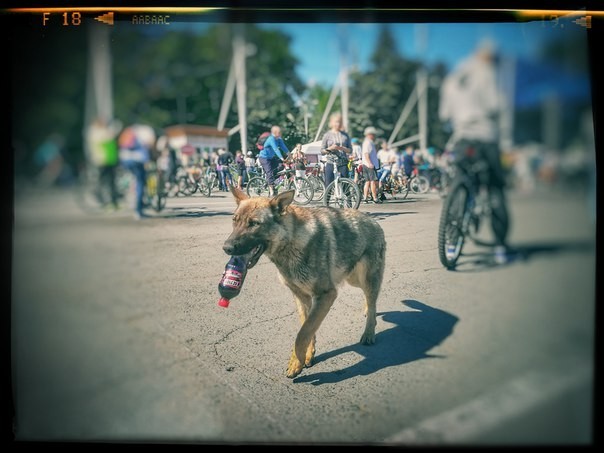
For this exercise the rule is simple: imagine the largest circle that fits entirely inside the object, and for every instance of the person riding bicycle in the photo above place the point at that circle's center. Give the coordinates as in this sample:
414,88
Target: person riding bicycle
471,102
274,152
387,158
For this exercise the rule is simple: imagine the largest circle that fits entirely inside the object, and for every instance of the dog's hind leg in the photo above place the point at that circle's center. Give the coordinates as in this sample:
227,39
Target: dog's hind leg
369,275
304,304
320,307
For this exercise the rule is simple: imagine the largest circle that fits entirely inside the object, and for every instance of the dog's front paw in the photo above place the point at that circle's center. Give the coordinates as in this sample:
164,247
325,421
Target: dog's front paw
294,368
368,338
310,357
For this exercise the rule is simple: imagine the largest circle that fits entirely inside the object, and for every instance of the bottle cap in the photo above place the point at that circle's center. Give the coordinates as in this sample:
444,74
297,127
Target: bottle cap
224,302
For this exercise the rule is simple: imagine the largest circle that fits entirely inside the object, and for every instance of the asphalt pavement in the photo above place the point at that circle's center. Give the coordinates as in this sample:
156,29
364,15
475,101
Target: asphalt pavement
117,335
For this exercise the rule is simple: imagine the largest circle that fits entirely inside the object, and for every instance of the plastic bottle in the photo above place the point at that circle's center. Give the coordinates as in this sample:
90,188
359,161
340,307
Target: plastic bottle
232,279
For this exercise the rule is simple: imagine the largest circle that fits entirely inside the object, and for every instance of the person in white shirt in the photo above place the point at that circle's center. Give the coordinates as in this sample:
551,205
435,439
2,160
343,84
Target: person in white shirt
387,158
471,102
370,163
356,155
250,164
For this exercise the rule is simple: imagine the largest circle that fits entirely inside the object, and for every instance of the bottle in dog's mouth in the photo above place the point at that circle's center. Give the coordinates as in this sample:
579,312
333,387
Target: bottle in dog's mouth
254,255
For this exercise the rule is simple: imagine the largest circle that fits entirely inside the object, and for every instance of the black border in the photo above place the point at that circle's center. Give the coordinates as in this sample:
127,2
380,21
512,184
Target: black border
309,11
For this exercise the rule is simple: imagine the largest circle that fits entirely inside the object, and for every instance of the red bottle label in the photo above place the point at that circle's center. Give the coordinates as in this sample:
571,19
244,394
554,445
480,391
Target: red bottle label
232,279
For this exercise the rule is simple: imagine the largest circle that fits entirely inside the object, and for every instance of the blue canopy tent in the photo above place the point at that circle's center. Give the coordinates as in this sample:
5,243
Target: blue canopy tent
549,100
536,80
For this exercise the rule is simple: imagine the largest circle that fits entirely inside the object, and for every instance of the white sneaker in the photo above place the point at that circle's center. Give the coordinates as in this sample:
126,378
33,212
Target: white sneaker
501,256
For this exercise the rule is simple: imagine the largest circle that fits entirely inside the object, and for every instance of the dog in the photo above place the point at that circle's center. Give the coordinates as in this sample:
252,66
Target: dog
315,249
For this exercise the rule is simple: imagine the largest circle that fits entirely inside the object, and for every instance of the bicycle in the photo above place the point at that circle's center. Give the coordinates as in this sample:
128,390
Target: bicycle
315,178
341,192
465,206
393,186
190,180
155,194
258,186
418,183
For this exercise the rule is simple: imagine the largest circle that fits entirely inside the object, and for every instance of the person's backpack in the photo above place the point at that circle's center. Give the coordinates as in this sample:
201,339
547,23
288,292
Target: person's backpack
262,139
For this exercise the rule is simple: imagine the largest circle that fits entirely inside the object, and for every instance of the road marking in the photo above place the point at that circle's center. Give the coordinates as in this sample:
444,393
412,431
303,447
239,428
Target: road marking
510,400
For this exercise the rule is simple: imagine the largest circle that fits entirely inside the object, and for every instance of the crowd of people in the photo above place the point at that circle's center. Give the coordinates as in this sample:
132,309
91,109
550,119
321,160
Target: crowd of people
135,146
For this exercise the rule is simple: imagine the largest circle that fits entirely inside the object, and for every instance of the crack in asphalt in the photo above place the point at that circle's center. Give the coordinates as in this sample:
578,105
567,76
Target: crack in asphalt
235,389
237,329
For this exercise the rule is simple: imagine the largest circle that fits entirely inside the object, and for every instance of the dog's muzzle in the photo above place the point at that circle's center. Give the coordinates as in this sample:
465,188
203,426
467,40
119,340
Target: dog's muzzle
251,257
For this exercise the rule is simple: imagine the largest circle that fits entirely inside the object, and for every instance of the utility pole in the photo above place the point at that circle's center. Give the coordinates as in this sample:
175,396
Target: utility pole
99,87
236,83
421,33
241,86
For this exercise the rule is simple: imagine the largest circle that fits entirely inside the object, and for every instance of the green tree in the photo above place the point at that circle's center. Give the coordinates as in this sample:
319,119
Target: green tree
180,77
378,95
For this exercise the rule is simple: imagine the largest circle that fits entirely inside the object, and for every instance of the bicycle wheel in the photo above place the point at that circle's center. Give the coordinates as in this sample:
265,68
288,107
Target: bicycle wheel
318,186
345,195
204,188
401,188
304,190
185,186
257,187
419,184
452,226
158,201
160,197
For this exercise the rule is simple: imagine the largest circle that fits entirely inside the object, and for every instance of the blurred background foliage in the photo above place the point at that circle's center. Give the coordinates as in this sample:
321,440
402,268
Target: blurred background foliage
179,77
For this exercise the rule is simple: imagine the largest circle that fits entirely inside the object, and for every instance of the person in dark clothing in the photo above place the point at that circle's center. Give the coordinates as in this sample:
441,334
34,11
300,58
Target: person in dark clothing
224,160
241,170
408,162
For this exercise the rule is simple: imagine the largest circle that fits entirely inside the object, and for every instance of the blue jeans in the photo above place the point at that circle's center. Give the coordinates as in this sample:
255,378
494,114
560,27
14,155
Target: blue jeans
328,173
224,175
383,174
138,170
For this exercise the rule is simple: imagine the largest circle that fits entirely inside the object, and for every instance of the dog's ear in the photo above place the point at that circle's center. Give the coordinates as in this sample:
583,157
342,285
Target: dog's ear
282,201
239,194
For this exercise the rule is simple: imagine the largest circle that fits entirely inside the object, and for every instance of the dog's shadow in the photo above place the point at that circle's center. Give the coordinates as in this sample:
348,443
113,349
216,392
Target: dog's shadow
414,334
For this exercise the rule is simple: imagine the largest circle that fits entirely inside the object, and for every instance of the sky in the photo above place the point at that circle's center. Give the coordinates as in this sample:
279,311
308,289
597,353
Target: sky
317,45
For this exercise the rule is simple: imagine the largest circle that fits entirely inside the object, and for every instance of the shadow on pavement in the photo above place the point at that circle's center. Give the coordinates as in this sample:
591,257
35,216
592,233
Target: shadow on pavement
180,213
383,215
414,334
403,200
479,261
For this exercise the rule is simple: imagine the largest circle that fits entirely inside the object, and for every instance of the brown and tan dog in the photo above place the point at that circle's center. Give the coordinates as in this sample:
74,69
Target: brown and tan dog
314,249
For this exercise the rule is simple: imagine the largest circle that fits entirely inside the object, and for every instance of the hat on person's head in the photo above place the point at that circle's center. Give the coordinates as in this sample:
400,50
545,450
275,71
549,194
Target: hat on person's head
370,130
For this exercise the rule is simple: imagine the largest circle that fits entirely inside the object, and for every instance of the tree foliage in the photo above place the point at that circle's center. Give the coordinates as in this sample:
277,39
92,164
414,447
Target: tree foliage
179,76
